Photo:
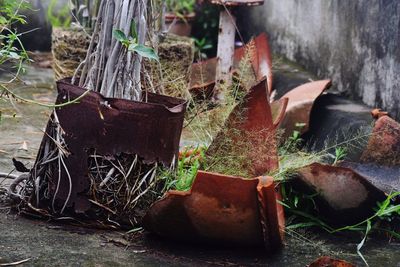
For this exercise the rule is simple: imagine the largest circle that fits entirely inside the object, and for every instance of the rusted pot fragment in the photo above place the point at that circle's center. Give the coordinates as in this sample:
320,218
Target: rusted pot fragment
221,209
344,195
247,141
203,73
384,144
109,126
326,261
301,101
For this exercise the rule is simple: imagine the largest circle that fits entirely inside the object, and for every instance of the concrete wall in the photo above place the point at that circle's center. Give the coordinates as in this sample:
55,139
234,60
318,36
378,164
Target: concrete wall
36,17
354,42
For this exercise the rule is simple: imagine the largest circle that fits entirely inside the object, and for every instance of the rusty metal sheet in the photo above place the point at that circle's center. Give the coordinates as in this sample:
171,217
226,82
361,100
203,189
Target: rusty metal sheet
384,143
113,126
326,261
221,209
250,132
203,73
301,101
344,195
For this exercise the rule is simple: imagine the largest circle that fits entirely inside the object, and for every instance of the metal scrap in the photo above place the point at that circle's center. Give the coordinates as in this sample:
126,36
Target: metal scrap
150,129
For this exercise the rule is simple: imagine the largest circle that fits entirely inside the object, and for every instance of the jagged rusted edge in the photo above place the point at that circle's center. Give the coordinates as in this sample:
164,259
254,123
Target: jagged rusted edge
100,123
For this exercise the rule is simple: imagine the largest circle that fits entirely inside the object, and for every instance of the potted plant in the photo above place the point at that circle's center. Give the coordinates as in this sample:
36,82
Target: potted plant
179,16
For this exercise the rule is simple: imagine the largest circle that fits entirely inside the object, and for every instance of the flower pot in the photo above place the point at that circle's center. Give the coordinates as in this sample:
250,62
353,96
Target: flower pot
179,25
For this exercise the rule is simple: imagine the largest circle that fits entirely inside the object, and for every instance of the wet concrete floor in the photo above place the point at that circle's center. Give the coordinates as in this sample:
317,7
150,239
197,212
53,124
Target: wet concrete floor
53,244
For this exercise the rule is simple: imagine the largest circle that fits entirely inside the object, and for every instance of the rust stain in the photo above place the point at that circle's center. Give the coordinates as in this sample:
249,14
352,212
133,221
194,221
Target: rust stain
221,209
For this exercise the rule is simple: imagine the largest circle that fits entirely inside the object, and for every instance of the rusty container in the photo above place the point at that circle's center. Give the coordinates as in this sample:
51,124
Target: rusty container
150,129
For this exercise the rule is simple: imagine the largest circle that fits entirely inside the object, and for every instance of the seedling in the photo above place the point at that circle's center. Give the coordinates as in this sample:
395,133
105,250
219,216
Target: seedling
131,43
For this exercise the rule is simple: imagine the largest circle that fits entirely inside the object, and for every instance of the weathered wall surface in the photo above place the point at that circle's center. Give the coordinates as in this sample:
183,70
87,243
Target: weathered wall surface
38,27
356,43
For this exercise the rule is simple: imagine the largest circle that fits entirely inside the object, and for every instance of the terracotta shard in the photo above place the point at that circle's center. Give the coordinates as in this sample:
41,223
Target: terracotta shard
203,73
384,178
221,209
248,134
301,101
384,144
326,261
344,195
278,109
111,126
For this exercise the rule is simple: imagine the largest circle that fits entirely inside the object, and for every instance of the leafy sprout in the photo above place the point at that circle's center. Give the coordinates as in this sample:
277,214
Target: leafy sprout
131,43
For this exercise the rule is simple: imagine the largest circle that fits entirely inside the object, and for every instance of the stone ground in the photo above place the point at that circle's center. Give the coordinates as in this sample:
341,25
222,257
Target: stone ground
54,244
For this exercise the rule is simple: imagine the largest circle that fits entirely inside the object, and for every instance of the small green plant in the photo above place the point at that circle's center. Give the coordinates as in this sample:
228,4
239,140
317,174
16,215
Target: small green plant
201,45
180,8
189,163
340,154
131,43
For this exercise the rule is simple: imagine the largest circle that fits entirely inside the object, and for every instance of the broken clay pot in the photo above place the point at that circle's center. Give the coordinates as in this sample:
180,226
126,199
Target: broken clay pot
384,178
344,195
221,209
383,146
248,136
326,261
300,103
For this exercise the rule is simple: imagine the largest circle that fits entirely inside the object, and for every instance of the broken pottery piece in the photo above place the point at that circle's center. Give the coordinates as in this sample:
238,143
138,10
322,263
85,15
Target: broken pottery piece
203,73
384,144
278,109
386,179
344,195
326,261
111,126
248,137
301,101
221,209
